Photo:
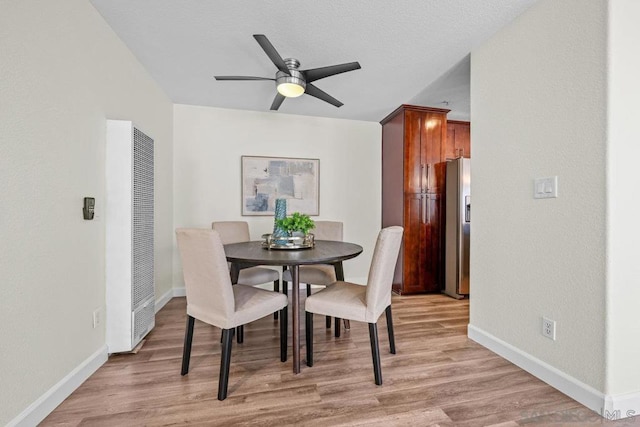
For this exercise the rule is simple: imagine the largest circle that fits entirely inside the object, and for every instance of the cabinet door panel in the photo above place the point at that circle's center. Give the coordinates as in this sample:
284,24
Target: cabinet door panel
433,243
433,136
450,151
412,158
414,243
422,243
463,141
458,140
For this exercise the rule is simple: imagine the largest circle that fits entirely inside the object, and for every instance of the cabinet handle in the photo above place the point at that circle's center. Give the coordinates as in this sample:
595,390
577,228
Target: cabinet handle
422,178
428,178
423,208
427,205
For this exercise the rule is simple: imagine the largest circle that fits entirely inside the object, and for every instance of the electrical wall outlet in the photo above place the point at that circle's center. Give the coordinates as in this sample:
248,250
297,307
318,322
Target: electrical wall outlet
549,328
97,317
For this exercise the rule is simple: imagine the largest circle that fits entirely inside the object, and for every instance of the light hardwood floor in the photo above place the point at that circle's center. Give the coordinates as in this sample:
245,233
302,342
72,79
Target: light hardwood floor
438,377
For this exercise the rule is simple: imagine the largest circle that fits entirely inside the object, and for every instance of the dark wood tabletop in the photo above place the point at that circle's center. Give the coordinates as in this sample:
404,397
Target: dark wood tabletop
324,252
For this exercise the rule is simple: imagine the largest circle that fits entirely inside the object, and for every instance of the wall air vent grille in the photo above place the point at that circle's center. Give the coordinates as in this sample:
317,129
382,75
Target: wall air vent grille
143,320
142,253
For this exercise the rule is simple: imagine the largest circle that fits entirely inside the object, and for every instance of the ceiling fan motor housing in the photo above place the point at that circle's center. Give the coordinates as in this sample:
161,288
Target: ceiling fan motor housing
296,77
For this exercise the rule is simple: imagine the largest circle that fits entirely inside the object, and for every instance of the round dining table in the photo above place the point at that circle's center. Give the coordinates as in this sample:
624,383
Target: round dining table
249,254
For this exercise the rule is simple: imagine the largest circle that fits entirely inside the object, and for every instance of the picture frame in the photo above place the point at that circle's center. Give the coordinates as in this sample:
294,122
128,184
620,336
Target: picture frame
265,179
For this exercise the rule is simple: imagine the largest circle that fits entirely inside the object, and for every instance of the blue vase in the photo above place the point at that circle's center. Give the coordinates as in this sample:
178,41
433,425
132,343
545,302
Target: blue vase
279,213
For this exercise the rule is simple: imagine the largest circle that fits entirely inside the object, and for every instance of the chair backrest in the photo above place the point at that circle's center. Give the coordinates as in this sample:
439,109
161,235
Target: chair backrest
232,231
206,276
383,263
327,230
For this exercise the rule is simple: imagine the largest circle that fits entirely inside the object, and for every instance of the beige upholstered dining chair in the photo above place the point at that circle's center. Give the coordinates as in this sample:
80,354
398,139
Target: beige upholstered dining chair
320,274
212,299
361,303
236,232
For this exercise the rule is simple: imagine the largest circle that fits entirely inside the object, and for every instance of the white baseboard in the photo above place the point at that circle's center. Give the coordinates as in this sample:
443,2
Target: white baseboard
163,300
179,292
621,406
607,406
45,404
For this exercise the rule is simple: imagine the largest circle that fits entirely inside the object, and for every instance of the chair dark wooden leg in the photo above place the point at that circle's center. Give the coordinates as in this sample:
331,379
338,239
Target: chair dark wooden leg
336,333
240,334
225,361
308,327
285,319
308,289
222,335
375,352
234,273
285,285
327,320
284,329
338,268
186,350
392,339
276,288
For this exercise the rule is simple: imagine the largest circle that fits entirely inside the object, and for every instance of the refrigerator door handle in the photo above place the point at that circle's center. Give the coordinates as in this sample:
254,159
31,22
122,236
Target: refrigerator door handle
467,208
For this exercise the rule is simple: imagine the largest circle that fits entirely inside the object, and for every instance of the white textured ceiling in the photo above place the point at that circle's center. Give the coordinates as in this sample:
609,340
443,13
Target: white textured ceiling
406,48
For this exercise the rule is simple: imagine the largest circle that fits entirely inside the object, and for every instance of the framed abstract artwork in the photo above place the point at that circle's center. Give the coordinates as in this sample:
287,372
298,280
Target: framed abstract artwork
265,179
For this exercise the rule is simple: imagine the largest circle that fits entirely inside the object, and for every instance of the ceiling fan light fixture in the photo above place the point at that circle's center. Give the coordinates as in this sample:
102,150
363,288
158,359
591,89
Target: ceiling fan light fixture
290,90
292,85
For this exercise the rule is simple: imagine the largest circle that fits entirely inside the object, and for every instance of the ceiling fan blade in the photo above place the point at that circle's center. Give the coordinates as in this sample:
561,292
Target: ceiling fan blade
320,94
277,101
241,78
320,73
271,52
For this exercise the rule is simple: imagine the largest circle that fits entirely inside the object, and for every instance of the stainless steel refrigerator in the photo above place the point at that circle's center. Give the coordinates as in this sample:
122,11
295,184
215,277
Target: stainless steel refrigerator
457,227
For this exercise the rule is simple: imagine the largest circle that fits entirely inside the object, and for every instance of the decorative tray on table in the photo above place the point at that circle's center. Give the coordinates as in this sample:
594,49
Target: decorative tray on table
270,241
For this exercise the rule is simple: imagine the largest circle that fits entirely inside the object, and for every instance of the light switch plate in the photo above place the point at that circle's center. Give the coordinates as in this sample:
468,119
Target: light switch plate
545,188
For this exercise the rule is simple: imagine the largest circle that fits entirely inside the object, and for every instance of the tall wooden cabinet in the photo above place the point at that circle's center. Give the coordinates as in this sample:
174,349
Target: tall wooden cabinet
413,171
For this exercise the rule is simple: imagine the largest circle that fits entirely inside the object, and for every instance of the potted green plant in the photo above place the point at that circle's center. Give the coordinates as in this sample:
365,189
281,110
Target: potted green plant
296,223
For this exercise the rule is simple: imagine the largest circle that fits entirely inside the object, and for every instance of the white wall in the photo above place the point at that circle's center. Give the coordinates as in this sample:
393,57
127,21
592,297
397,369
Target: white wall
63,72
538,106
623,293
208,144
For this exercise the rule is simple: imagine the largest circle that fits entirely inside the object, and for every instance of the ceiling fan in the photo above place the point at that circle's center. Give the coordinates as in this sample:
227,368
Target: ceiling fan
292,82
